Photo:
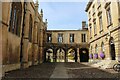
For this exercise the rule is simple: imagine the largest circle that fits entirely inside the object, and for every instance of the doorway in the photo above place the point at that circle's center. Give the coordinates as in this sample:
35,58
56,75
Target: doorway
84,55
112,49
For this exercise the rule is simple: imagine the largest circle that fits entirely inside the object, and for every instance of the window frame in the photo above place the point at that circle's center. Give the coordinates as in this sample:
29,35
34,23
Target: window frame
71,39
109,16
60,37
15,18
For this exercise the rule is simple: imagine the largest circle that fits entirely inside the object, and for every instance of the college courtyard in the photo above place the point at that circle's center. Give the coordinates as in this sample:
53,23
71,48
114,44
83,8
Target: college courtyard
30,51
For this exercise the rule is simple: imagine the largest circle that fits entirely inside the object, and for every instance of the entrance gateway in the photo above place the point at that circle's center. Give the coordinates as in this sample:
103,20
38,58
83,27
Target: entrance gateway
65,53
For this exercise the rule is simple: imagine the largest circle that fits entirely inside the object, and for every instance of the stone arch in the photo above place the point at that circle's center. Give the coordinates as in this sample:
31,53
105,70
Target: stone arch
60,54
112,48
48,54
72,54
84,55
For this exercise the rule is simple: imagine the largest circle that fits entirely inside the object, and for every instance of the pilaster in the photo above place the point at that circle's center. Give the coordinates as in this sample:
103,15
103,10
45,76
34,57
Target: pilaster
107,51
25,38
35,37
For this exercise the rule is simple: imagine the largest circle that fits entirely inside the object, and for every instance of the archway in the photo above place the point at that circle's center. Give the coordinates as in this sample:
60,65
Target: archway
49,55
72,55
112,48
60,55
84,55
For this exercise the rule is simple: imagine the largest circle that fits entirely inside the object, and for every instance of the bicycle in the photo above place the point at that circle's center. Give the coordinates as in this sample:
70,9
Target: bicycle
116,67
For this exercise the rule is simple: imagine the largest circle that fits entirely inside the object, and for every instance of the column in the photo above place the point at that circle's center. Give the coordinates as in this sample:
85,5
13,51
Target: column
66,55
78,55
54,55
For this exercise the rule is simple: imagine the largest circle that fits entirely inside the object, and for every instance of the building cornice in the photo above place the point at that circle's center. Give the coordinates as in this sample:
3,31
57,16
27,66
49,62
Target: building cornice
88,5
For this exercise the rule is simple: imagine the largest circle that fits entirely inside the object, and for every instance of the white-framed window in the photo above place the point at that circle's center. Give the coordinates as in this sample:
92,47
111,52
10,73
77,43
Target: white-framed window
49,37
83,37
60,38
95,28
109,18
100,22
71,37
93,9
90,31
89,14
98,2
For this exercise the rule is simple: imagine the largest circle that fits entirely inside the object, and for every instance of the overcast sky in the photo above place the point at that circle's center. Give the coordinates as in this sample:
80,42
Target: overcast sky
64,15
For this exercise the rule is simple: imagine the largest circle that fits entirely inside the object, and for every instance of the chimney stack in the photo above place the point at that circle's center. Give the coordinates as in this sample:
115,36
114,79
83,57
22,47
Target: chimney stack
83,24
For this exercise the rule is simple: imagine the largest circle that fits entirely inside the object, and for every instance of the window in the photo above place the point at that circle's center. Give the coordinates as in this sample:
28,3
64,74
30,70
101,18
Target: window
93,9
109,19
60,38
83,37
100,23
95,30
15,18
71,37
49,37
102,47
90,31
96,49
89,15
30,29
98,2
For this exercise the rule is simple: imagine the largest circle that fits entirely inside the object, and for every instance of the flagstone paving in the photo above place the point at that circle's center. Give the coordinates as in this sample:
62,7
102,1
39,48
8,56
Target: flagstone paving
58,71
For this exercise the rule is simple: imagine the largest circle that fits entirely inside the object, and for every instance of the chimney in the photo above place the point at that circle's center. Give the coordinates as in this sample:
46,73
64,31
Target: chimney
83,24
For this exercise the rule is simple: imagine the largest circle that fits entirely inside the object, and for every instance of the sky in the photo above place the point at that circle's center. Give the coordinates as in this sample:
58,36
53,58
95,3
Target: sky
64,15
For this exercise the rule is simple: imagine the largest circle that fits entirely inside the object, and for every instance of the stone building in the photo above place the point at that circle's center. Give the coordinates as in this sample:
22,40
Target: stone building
23,32
104,30
67,45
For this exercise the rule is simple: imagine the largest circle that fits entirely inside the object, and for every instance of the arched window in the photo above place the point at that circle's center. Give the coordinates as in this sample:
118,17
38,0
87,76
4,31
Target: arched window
30,29
102,47
96,49
15,18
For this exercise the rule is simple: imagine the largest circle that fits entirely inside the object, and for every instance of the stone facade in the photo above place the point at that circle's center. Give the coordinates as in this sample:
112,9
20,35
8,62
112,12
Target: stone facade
67,40
104,29
22,35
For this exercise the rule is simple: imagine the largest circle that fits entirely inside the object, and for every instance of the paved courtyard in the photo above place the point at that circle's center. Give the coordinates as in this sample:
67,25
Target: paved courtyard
66,71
